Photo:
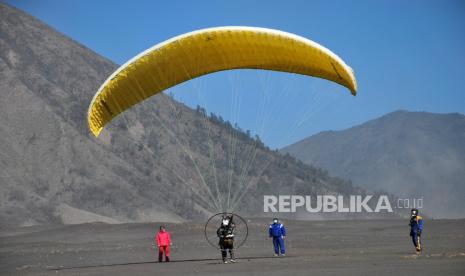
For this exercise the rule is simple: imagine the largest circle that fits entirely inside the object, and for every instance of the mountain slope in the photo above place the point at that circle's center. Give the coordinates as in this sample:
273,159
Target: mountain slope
46,154
160,161
409,154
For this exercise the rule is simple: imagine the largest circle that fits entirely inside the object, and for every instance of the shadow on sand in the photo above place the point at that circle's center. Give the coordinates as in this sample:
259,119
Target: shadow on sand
156,262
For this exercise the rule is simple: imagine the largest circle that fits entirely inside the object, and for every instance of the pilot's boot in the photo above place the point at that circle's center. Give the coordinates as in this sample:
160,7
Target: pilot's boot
231,252
224,255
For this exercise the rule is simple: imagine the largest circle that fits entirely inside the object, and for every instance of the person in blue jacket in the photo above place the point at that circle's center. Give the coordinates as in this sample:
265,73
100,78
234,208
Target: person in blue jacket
416,227
277,232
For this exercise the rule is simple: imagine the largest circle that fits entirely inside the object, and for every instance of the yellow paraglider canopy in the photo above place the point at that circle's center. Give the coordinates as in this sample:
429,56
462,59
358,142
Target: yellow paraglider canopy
211,50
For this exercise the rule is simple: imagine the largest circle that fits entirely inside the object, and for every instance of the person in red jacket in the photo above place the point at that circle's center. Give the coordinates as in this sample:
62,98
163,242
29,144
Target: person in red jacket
163,241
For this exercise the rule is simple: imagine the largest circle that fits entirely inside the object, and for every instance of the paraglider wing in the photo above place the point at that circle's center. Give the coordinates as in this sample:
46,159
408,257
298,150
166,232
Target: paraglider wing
211,50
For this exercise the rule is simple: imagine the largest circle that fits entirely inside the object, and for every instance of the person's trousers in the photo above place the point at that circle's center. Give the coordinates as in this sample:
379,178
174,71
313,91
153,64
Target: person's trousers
416,239
278,243
166,250
227,245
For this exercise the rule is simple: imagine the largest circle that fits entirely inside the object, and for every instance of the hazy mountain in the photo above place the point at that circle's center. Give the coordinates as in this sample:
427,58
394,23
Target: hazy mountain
159,161
410,154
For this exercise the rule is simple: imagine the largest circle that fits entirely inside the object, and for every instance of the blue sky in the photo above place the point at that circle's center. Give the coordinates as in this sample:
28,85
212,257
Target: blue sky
406,55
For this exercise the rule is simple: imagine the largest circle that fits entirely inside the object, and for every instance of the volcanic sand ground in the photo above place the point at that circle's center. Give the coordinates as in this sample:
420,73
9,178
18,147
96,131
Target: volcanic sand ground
353,247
